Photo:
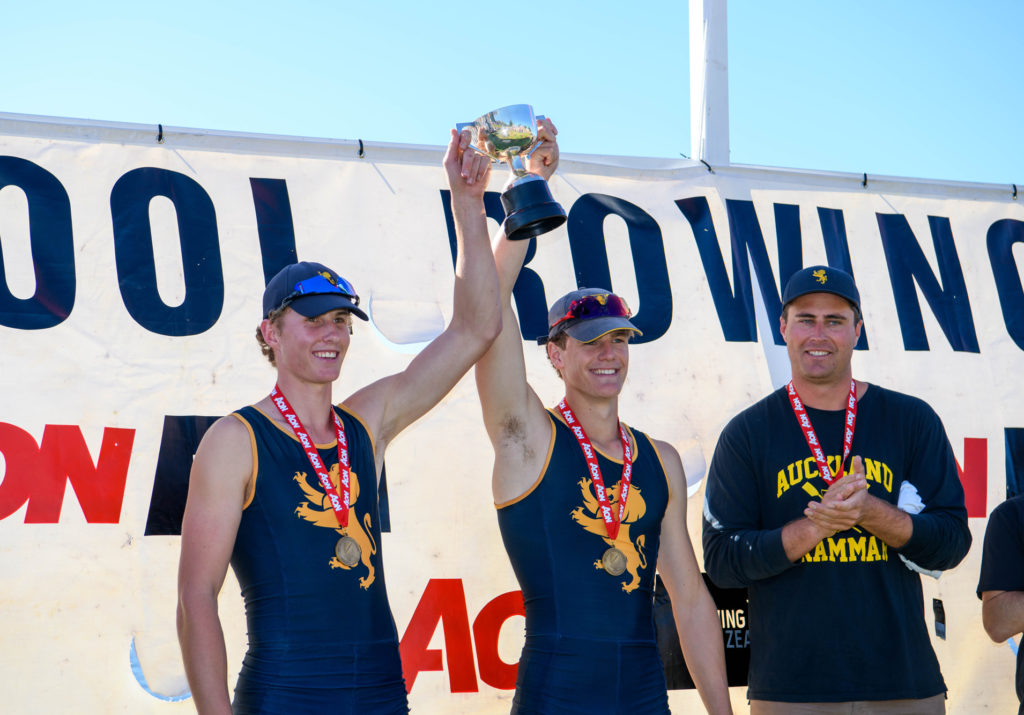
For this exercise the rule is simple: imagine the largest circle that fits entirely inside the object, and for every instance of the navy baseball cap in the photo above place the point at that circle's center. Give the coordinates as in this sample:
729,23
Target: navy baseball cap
587,314
310,289
821,279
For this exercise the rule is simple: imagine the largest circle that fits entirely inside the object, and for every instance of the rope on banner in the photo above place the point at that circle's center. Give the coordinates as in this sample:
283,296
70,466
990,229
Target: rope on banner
864,182
710,170
362,154
1014,191
159,133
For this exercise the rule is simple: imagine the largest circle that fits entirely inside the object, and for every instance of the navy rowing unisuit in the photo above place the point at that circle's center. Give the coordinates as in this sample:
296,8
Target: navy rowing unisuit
590,637
321,634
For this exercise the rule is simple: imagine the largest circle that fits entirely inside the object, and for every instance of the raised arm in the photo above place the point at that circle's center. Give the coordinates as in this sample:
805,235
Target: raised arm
216,492
513,414
700,634
393,403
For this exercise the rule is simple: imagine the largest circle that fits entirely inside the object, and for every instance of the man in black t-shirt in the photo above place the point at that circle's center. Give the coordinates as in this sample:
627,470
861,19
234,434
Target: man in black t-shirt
808,506
1001,584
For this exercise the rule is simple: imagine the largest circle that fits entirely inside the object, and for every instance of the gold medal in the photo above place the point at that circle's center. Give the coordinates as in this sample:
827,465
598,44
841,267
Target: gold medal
614,561
348,551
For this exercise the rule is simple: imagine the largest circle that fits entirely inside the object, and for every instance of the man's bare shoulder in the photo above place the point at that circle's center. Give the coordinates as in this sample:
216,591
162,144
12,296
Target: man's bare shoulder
665,449
226,449
227,431
368,401
674,471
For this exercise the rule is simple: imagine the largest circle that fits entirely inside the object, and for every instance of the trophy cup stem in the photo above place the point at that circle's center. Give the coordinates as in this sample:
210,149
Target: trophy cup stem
515,161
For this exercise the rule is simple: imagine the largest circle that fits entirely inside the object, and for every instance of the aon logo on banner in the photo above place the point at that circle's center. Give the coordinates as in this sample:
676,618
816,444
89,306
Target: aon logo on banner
38,473
444,602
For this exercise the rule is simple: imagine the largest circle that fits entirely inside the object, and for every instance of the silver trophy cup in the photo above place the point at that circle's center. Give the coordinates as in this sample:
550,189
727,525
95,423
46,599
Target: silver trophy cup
509,134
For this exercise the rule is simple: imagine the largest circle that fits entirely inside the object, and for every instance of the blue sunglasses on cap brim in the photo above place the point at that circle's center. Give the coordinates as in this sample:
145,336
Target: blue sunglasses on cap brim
319,285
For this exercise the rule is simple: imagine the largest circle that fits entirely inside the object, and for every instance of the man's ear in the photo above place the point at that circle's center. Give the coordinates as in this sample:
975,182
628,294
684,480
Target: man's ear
554,355
269,331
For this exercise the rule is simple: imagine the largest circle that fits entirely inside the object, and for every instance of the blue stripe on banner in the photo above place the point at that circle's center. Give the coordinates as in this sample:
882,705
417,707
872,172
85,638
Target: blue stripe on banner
133,657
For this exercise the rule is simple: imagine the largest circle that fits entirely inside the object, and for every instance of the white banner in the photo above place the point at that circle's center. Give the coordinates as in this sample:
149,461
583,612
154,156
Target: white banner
133,262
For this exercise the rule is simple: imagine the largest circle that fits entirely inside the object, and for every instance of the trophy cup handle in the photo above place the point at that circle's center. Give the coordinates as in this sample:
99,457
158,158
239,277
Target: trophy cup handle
459,126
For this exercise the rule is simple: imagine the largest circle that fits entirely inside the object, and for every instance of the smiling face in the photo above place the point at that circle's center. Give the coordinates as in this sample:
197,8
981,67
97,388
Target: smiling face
310,349
820,330
597,368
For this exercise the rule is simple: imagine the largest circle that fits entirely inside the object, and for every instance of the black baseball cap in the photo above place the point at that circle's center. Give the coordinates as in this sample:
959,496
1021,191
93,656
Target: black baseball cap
821,279
310,289
587,314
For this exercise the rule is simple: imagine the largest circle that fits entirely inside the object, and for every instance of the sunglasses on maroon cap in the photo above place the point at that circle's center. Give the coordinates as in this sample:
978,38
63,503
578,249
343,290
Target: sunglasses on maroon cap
596,305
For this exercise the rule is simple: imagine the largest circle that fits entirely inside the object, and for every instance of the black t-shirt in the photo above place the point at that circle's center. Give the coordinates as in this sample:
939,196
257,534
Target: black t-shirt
1002,562
846,622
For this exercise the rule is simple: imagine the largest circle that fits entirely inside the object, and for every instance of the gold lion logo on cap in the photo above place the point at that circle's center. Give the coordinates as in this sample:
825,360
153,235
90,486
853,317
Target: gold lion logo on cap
820,275
329,277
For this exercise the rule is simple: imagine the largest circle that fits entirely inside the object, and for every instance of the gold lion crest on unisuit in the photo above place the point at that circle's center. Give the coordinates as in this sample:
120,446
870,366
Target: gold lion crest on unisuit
635,508
321,513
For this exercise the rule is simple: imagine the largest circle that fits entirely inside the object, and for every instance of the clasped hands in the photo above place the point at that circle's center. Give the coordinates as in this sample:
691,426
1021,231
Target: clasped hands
844,504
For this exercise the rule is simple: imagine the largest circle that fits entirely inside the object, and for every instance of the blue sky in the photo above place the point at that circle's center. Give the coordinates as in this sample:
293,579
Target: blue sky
898,87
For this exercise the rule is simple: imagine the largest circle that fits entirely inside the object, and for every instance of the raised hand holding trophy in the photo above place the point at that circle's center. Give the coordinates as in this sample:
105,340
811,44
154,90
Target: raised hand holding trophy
509,134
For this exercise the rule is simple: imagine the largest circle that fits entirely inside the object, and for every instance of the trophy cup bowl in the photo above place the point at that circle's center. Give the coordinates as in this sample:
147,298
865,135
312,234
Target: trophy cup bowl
509,134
